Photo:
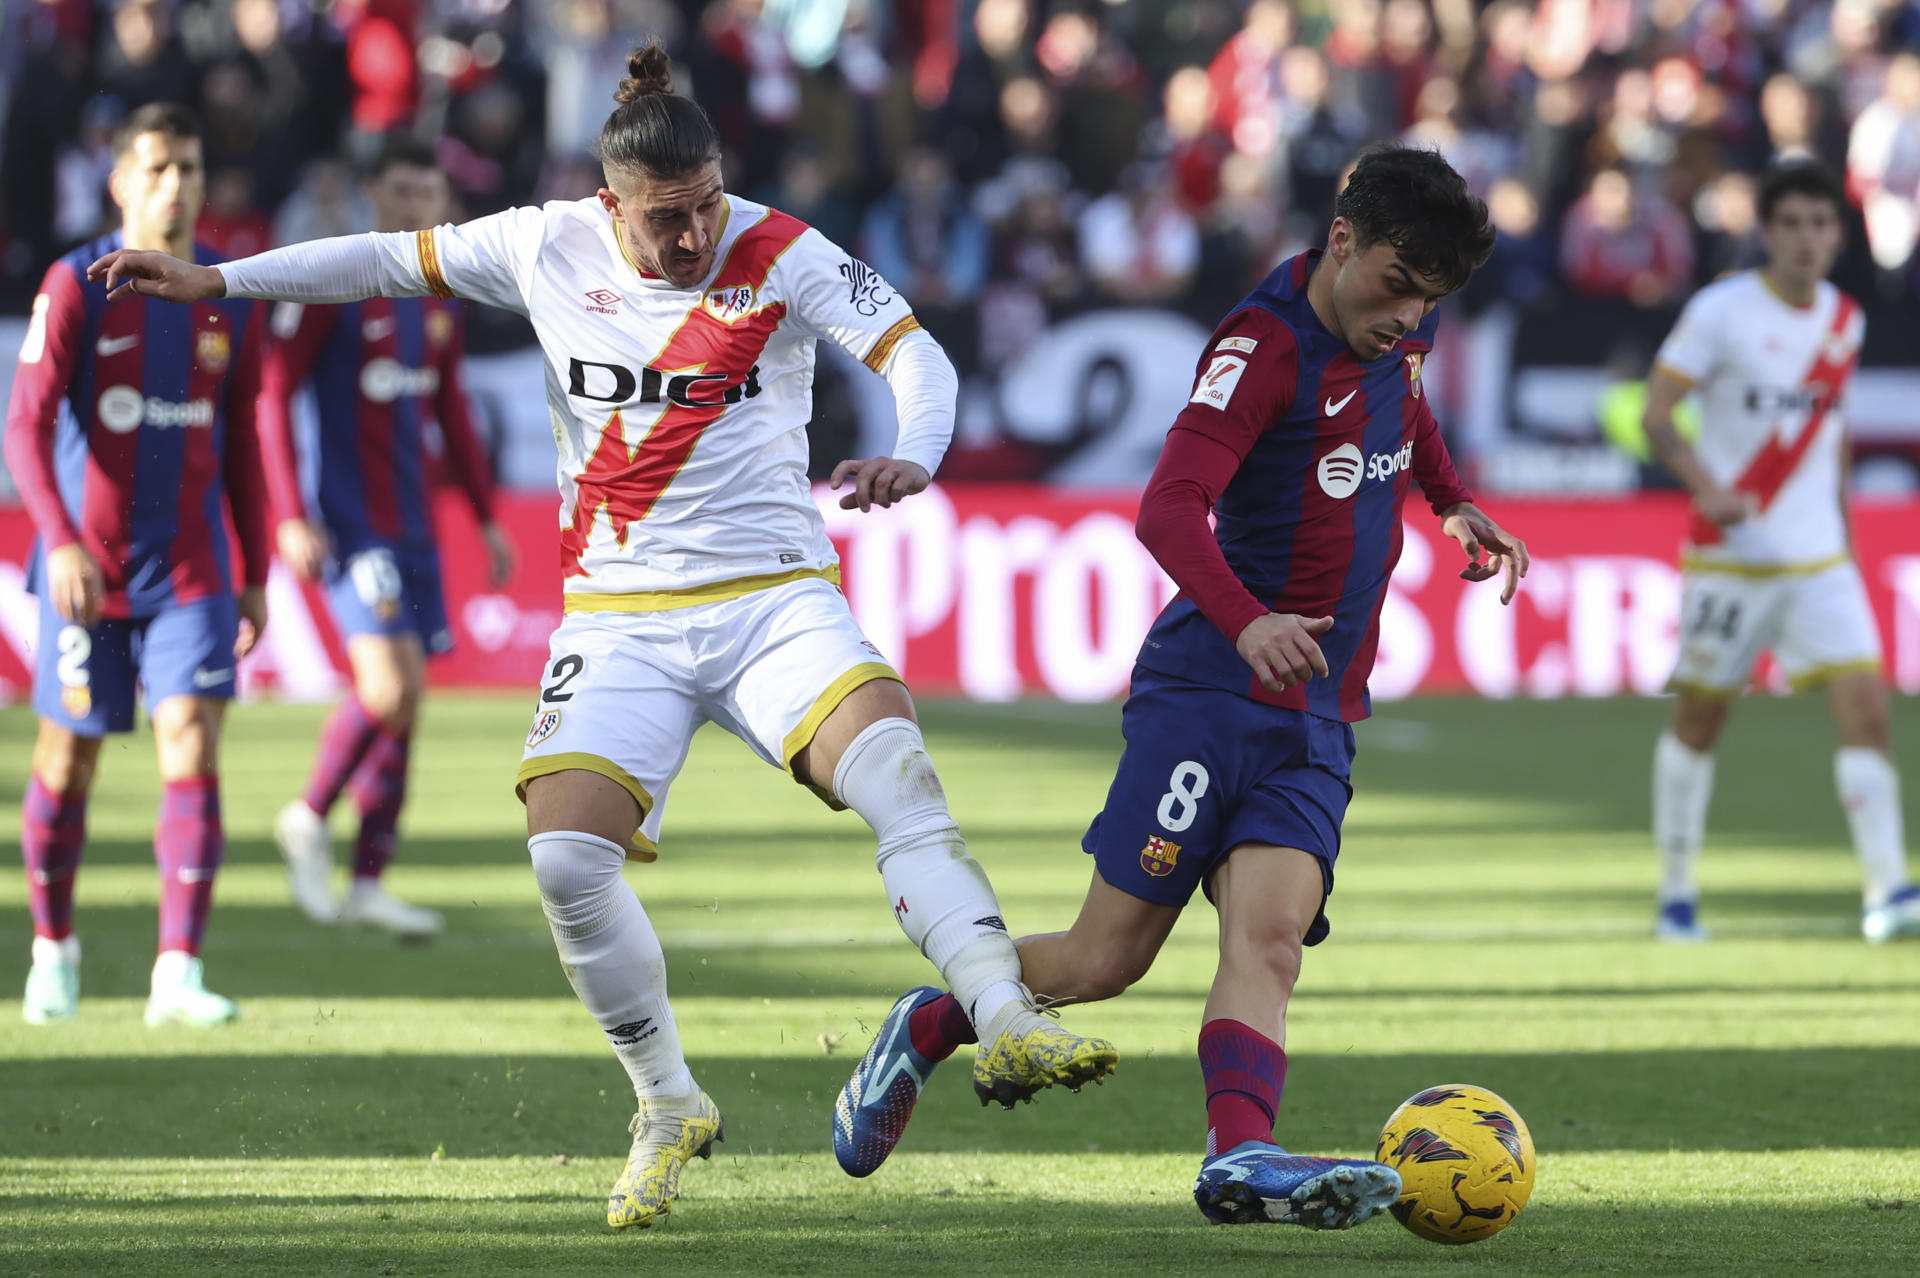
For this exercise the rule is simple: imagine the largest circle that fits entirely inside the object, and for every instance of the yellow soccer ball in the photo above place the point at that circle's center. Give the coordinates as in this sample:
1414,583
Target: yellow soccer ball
1465,1160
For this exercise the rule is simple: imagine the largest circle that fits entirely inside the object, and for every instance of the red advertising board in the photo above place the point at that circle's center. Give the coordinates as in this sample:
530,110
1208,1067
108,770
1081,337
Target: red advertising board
995,592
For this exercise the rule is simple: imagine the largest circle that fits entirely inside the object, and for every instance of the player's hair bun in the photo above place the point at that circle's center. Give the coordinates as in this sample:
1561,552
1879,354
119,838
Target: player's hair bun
649,73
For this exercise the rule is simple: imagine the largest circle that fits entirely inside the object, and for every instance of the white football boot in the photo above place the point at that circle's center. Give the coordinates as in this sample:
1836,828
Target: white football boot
369,904
180,995
1897,916
304,846
53,982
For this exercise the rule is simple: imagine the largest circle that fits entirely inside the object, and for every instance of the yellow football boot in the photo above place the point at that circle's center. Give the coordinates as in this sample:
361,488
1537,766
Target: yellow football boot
1030,1050
667,1133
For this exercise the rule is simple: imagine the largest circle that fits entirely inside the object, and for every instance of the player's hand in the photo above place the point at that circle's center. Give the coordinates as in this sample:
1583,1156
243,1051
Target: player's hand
303,547
1725,507
1282,650
153,274
74,584
253,620
1475,531
501,557
878,481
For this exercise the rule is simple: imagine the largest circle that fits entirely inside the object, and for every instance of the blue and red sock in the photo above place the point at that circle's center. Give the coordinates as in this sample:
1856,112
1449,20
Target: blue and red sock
1244,1072
940,1026
188,845
379,790
53,829
344,741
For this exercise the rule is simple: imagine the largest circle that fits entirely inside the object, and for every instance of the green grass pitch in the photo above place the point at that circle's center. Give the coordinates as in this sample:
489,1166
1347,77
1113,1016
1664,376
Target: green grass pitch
1748,1106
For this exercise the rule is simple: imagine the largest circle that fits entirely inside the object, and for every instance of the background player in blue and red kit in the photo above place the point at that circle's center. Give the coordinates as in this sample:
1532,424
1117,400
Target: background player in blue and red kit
379,369
131,425
1306,427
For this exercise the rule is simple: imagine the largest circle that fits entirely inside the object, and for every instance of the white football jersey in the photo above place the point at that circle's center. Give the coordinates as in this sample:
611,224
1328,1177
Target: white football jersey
1771,379
680,414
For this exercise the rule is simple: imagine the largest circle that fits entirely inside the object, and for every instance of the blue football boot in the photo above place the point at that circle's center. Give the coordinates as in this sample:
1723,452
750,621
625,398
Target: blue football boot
1257,1182
872,1111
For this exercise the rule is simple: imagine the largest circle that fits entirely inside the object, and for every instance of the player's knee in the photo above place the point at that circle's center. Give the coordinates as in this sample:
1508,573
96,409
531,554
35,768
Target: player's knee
888,778
389,700
1697,720
1269,949
65,761
1867,720
578,875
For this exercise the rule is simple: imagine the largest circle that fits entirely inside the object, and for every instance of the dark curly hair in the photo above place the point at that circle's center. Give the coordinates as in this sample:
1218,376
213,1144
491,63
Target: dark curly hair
1797,177
1411,198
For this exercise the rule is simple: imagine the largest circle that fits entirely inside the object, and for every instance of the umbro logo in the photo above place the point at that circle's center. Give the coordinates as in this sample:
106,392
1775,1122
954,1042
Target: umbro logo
993,921
632,1032
604,300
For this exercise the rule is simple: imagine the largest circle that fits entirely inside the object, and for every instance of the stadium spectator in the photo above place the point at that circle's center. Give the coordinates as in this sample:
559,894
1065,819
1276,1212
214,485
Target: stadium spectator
1245,77
1627,245
924,239
1883,165
1139,247
142,59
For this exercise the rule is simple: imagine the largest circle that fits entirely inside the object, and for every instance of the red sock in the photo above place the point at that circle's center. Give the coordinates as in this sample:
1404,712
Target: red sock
344,742
188,844
53,829
1244,1072
940,1026
380,787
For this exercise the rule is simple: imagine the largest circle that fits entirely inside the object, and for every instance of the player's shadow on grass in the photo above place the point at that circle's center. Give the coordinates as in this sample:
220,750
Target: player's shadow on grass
855,1230
485,1105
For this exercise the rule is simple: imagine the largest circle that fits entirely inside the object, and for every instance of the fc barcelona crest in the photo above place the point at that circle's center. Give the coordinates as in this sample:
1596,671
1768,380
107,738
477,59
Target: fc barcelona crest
212,349
1414,361
439,327
1159,856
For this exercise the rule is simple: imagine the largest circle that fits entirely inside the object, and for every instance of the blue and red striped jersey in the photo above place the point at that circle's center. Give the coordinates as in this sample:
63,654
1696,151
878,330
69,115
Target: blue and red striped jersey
379,369
130,422
1323,448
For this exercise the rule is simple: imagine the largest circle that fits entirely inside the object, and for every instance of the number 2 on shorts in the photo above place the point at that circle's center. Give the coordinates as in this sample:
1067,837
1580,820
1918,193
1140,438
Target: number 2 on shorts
1181,803
564,670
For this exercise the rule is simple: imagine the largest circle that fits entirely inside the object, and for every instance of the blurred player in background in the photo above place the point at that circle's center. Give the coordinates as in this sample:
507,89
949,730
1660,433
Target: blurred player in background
679,325
1306,429
1770,563
131,426
379,369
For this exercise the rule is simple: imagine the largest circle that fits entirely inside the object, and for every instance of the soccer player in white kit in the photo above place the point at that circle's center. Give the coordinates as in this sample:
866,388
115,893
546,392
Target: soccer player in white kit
1769,563
678,324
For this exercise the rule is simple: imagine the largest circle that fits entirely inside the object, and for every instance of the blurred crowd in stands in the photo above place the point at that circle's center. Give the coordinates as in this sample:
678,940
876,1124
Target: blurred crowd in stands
1007,162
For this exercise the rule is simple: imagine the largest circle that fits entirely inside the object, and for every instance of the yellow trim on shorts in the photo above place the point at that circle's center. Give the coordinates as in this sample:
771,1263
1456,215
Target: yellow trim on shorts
693,596
641,848
883,349
1809,679
430,262
825,704
1691,562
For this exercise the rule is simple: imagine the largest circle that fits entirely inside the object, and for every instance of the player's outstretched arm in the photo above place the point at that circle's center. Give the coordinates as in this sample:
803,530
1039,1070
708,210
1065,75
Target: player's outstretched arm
152,274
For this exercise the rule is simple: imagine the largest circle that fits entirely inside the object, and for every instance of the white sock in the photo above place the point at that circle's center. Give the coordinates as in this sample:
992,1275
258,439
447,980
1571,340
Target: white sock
1870,792
940,895
610,953
1682,787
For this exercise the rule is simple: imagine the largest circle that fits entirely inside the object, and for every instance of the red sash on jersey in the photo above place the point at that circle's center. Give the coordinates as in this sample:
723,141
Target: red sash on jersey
1775,463
627,480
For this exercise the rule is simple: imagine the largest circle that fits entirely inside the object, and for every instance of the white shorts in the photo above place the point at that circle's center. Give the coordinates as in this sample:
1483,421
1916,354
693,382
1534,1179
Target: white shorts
1817,623
624,692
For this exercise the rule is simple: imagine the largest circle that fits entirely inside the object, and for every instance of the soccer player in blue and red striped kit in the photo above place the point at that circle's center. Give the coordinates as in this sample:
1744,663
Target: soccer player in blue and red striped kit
130,427
379,369
1306,428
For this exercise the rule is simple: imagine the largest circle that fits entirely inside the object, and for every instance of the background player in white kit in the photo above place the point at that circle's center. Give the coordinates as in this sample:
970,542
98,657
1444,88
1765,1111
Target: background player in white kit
678,324
1769,563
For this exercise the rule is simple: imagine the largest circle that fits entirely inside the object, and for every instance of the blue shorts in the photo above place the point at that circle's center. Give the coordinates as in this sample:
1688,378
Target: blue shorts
1205,770
84,680
390,590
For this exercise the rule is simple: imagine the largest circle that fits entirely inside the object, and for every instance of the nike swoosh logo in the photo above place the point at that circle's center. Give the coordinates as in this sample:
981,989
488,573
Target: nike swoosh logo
211,678
114,345
375,329
1333,409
